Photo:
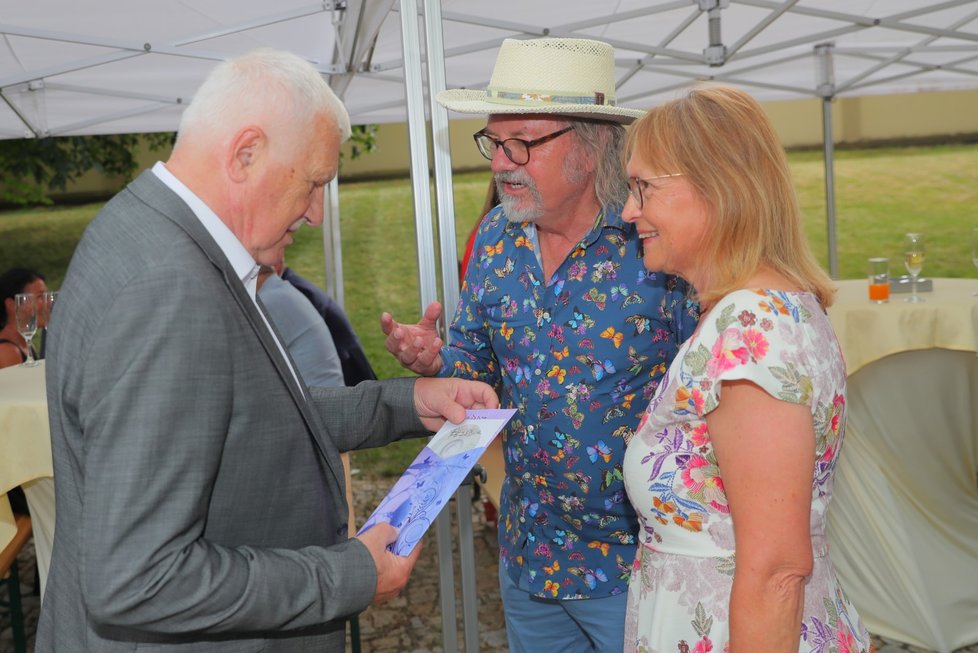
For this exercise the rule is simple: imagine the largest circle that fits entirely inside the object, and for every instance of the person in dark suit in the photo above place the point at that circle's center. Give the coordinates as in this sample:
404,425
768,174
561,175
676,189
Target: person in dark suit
200,500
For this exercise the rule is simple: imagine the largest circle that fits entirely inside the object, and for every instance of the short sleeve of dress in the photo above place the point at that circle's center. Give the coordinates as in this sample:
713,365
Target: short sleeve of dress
753,335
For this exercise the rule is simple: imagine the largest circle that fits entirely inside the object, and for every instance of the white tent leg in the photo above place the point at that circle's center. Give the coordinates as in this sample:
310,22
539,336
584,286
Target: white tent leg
333,252
435,49
417,136
828,147
825,88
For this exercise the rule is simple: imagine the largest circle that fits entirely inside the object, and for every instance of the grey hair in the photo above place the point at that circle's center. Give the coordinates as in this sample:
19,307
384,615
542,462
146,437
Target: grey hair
605,142
262,79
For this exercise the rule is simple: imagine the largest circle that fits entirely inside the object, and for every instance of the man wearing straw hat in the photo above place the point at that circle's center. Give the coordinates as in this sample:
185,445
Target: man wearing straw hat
557,311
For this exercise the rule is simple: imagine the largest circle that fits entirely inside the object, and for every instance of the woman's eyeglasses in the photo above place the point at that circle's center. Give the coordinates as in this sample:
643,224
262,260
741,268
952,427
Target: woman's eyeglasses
637,186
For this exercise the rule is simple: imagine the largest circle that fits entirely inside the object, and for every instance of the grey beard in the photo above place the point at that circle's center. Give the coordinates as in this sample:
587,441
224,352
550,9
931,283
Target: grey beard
572,171
517,212
514,209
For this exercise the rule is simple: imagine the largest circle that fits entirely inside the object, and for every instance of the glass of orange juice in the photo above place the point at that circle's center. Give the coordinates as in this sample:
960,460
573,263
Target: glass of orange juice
879,280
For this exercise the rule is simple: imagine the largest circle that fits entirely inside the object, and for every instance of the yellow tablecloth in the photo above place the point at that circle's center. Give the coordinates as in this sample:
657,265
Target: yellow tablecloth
25,456
904,522
947,319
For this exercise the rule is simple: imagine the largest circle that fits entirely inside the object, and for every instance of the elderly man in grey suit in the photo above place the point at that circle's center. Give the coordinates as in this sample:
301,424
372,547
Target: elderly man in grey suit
199,487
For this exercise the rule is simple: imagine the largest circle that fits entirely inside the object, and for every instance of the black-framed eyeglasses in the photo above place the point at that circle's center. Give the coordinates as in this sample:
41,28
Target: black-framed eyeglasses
516,150
637,186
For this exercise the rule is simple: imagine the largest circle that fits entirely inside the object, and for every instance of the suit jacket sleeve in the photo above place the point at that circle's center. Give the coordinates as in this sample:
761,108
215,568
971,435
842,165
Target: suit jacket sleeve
156,403
371,414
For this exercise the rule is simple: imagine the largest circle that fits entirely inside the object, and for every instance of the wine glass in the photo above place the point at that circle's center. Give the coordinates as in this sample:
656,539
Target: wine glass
45,304
913,259
974,250
25,313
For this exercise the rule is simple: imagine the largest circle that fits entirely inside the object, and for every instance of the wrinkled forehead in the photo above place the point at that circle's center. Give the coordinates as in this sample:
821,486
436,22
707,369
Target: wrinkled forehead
314,145
520,124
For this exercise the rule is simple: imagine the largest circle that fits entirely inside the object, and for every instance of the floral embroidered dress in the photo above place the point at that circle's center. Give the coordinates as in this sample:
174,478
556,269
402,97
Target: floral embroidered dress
578,355
679,592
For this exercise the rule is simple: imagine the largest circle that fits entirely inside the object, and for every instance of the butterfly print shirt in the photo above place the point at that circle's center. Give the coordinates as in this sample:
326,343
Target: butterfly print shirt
578,355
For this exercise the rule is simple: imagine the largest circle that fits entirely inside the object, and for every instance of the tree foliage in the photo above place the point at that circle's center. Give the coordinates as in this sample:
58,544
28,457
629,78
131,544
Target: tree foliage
31,169
363,140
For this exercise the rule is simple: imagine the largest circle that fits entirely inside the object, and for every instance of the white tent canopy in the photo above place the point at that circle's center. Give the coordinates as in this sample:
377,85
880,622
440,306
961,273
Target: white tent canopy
111,66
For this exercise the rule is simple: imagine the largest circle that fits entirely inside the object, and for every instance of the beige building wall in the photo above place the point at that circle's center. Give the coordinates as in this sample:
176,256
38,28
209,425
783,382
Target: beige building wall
875,118
393,154
799,122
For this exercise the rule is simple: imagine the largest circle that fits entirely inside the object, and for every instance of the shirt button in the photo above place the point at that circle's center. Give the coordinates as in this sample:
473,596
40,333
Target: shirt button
537,371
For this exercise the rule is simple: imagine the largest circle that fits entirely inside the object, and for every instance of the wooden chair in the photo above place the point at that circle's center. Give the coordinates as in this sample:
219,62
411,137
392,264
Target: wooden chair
10,578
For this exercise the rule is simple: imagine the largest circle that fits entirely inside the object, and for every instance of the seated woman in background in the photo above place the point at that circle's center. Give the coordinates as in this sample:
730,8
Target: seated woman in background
13,347
731,470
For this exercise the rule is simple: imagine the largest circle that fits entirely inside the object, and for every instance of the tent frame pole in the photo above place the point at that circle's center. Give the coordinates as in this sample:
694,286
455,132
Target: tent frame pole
828,148
427,281
444,195
332,249
825,88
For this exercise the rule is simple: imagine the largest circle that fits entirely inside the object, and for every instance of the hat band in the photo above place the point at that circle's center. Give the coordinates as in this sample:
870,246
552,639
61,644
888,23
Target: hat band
522,97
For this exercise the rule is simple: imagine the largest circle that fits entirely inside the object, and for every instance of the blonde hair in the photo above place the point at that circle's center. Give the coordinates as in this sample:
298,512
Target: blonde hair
722,142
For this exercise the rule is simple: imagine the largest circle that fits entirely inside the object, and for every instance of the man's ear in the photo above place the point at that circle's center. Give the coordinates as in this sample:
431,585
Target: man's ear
245,149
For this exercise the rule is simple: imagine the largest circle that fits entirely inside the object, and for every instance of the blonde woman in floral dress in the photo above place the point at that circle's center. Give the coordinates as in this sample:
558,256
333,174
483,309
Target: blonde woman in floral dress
731,470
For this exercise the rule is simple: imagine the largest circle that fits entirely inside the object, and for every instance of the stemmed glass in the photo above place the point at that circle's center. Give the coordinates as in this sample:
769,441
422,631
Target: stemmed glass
974,250
25,313
45,304
913,259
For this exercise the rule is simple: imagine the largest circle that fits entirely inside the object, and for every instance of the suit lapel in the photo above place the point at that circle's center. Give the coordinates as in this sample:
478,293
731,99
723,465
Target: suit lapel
154,193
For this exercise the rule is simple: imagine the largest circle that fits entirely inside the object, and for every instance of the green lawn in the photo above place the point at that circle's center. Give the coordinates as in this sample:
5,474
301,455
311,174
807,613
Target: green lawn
880,195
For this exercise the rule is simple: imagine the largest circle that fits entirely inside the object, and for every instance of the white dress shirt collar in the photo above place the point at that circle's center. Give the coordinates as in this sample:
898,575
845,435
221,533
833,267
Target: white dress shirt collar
241,260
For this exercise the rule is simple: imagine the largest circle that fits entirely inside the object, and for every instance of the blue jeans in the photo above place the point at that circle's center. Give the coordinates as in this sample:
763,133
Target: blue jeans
535,625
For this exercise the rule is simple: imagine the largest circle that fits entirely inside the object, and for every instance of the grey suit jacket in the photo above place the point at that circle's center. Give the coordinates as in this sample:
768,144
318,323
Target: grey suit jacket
200,500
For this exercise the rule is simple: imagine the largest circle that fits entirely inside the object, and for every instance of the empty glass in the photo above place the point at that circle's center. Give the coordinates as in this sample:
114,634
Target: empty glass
45,304
25,314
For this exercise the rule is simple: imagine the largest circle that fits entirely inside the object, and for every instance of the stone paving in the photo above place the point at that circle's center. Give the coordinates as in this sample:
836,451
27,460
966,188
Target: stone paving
412,622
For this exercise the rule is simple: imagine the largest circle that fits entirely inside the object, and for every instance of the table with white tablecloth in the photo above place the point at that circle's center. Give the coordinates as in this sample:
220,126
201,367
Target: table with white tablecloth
25,457
903,525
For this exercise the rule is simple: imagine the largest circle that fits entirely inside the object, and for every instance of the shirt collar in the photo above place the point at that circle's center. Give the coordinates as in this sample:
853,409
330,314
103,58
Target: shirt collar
240,259
608,218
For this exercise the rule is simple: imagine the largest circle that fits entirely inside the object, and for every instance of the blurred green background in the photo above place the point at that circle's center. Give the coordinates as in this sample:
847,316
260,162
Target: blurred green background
881,193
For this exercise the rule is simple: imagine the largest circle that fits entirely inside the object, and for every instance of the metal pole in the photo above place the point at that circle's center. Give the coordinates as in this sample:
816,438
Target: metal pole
443,158
828,148
435,50
427,282
466,558
418,142
825,79
332,251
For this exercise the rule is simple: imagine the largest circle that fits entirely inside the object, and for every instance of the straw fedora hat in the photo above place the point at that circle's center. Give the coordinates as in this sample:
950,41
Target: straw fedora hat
571,77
